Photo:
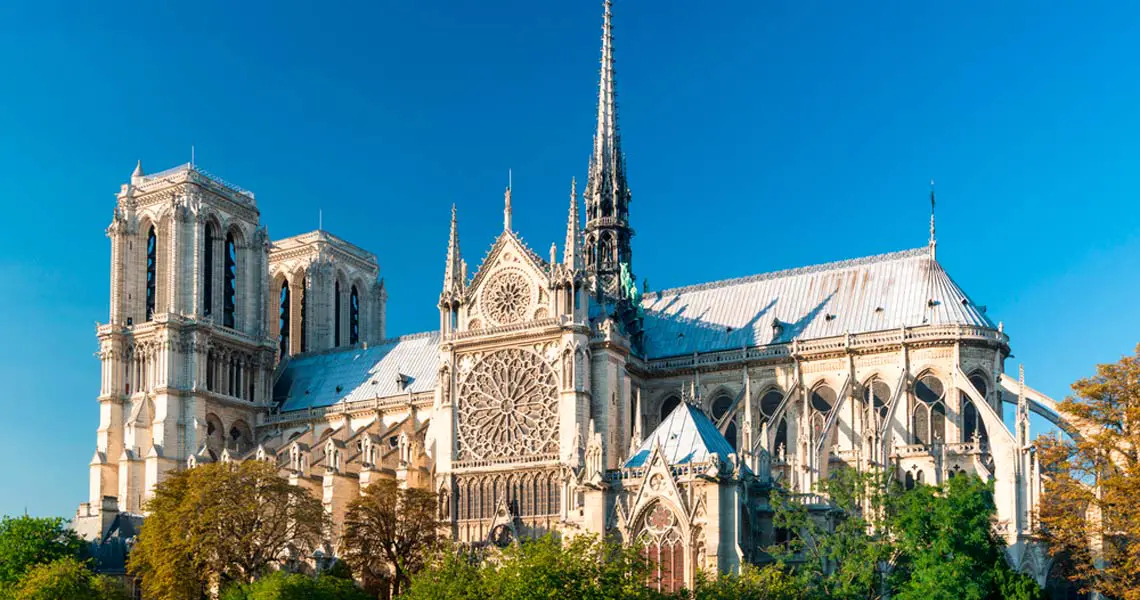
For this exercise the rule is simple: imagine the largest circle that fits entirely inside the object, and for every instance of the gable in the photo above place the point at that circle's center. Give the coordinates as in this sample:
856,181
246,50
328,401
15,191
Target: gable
511,286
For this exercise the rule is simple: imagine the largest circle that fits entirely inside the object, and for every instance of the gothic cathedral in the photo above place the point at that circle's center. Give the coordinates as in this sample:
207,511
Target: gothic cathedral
556,395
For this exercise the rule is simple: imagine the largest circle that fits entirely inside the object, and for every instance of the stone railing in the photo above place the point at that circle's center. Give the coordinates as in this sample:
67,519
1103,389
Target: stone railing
963,448
417,400
852,342
912,450
498,329
521,460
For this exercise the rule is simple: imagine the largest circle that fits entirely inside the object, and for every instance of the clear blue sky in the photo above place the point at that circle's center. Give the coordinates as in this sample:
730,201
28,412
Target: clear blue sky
759,135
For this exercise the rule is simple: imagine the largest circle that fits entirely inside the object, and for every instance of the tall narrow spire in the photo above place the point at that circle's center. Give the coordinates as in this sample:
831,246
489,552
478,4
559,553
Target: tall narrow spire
453,276
572,251
933,241
607,193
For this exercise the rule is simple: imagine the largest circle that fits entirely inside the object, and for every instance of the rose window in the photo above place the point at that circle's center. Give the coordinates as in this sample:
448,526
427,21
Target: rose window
506,297
508,407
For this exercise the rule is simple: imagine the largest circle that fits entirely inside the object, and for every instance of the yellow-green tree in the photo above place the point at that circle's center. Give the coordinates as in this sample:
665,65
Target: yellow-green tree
222,523
388,534
1090,513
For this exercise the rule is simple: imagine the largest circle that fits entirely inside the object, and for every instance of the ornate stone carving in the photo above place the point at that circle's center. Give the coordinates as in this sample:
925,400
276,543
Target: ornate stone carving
508,407
507,297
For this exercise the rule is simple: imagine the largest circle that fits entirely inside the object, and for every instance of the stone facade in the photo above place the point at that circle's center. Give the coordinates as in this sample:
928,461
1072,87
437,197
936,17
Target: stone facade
556,395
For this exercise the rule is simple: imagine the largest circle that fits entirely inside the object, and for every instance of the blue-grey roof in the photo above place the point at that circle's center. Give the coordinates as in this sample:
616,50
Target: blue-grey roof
357,373
876,293
685,436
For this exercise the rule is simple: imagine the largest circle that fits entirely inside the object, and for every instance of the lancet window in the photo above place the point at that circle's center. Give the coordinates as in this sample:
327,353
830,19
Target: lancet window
876,395
822,400
336,315
354,316
769,404
720,407
972,424
659,533
151,272
283,320
208,271
229,302
928,416
304,317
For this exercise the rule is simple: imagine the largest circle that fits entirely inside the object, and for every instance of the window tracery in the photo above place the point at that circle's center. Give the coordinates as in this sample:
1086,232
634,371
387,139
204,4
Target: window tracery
151,272
229,304
508,407
507,297
659,534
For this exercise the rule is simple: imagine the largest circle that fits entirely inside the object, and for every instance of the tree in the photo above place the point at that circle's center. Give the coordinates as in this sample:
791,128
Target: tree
221,523
839,554
581,568
770,582
66,578
1089,517
389,532
293,586
29,541
947,547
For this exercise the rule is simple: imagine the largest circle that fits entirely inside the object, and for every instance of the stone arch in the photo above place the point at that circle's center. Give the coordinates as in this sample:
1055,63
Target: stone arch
662,532
280,311
822,399
235,276
875,401
215,434
239,436
768,402
928,408
718,406
340,308
668,403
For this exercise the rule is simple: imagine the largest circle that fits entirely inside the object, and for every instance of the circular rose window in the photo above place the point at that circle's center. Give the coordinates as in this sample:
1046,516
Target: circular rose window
506,297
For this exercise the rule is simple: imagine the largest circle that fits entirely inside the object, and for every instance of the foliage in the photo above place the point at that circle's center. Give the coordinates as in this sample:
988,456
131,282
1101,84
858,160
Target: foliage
771,582
66,578
281,585
29,541
389,533
1092,483
221,523
947,548
583,567
840,557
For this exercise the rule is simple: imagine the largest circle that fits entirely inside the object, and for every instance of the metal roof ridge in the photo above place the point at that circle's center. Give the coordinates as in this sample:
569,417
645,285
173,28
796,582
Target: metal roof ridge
829,266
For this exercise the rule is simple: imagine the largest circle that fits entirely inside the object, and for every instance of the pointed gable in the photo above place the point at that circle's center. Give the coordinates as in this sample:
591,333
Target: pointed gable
685,436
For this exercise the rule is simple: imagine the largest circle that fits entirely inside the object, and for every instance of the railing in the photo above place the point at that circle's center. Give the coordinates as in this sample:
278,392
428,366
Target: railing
417,400
978,447
912,450
510,328
833,344
536,458
189,172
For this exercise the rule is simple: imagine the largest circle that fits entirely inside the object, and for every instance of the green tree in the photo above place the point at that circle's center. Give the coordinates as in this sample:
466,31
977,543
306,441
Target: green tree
29,541
389,532
770,582
222,523
581,568
1089,516
280,585
66,578
838,554
948,548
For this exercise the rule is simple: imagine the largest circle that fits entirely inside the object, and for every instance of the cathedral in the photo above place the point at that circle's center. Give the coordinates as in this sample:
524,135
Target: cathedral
557,395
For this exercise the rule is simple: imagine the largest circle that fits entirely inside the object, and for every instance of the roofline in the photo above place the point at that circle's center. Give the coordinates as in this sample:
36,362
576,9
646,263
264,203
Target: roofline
830,266
361,346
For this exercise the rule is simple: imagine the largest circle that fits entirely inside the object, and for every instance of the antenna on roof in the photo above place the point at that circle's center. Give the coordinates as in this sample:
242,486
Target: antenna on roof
933,242
191,156
320,219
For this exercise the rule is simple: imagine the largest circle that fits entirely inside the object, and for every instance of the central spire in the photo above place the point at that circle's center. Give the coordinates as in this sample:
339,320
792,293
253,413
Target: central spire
607,235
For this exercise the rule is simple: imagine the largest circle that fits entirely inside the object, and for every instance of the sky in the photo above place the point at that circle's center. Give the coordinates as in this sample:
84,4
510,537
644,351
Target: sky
759,135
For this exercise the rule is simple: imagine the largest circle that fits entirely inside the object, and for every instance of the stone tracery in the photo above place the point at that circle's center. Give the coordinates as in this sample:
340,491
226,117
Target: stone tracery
506,297
508,407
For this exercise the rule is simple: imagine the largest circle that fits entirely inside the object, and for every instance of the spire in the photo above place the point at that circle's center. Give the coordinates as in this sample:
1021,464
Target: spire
138,172
933,242
453,274
572,251
607,193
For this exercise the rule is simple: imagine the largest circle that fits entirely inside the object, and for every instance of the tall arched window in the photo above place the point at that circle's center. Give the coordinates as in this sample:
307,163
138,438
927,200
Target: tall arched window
668,405
304,319
151,272
336,315
928,421
283,320
659,534
230,300
354,317
720,406
876,395
822,399
769,404
208,271
972,423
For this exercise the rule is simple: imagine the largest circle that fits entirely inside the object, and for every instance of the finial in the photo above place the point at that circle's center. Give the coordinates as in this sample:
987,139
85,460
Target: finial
507,209
138,172
933,242
191,156
553,253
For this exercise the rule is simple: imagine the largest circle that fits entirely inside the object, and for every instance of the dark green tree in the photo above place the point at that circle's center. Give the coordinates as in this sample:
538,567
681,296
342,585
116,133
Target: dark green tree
280,585
66,578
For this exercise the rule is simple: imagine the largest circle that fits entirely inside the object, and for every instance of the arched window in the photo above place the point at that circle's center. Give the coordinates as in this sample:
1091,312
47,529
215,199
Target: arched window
304,318
769,404
230,299
720,406
354,316
920,479
972,423
336,315
151,272
928,423
822,399
208,271
659,534
283,319
909,482
876,395
668,405
781,445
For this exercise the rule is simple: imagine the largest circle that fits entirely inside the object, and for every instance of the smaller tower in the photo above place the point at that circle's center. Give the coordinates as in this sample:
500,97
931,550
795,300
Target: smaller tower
454,273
